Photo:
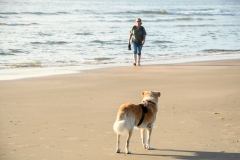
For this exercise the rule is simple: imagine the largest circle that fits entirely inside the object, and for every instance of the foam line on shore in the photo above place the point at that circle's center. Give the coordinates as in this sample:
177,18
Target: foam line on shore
20,73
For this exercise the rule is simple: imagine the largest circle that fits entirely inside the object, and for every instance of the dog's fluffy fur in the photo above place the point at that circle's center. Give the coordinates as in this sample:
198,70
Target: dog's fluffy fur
129,116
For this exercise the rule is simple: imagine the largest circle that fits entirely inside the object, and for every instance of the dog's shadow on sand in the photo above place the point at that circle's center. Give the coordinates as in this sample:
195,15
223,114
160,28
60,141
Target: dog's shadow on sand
191,155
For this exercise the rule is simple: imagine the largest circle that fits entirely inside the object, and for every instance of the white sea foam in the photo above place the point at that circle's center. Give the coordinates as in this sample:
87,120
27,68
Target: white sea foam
20,73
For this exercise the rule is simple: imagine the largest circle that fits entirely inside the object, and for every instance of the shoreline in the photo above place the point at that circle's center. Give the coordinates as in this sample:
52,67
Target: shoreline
71,116
33,72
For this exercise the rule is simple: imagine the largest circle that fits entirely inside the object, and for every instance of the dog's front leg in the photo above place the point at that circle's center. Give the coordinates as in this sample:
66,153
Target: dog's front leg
118,143
143,135
127,143
149,129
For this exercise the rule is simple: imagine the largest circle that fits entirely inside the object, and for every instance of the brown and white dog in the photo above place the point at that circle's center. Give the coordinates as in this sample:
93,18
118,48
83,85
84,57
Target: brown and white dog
142,116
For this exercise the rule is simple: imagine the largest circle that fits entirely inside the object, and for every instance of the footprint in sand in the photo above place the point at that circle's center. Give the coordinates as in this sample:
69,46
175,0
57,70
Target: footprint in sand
90,130
67,151
182,122
107,149
73,138
62,128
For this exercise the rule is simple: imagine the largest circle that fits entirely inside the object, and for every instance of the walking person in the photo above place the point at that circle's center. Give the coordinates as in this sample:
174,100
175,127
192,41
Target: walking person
138,36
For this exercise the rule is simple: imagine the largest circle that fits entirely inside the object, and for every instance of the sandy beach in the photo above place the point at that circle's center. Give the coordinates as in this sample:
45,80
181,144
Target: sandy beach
71,116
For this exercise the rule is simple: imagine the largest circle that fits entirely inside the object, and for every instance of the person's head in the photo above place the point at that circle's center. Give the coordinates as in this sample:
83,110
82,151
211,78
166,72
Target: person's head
138,21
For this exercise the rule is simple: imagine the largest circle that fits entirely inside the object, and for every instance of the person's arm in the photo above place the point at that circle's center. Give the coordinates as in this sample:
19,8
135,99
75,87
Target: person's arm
129,39
143,41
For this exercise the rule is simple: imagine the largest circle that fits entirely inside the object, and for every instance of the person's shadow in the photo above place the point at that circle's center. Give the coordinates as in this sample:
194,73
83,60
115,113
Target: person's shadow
193,155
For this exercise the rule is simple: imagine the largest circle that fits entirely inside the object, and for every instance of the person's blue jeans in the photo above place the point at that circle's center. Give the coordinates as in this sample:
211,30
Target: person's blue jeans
137,48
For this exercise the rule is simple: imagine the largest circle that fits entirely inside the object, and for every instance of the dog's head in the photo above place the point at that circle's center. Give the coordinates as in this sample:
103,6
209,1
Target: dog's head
151,96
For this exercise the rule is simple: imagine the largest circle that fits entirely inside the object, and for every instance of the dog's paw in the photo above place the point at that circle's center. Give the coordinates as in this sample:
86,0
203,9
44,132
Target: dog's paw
118,150
147,147
127,151
150,148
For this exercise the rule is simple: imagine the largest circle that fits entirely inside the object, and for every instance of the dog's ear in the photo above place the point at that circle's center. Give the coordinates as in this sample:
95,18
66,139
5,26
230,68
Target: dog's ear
145,92
156,93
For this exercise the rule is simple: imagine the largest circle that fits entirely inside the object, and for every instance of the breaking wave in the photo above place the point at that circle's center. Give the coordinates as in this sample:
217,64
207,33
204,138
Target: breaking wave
181,12
27,64
51,42
221,51
34,13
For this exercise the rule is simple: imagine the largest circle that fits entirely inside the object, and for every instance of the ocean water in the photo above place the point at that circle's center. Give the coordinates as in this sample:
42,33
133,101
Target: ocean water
92,33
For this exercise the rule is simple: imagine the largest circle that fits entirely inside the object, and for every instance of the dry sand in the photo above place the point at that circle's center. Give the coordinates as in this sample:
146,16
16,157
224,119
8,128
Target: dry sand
71,116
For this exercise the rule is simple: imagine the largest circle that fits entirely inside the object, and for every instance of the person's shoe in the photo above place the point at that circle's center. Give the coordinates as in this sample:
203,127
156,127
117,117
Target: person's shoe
138,63
134,64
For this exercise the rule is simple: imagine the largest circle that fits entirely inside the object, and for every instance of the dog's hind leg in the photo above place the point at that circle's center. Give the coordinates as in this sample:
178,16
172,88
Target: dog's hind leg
127,142
149,129
143,136
118,143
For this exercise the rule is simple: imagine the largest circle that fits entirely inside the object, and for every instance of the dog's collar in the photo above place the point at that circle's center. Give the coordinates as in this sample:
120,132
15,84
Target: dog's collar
146,104
147,101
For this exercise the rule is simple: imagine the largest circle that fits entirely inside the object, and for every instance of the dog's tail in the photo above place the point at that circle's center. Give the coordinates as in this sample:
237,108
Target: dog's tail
120,127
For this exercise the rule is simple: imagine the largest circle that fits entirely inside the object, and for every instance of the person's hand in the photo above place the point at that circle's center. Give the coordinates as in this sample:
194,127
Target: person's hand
143,42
